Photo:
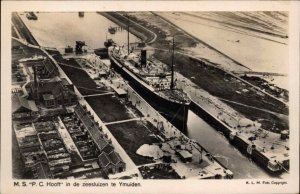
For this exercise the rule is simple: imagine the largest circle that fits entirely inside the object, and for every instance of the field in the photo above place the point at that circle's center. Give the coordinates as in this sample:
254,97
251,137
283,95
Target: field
109,108
131,135
224,86
82,81
270,88
13,33
17,163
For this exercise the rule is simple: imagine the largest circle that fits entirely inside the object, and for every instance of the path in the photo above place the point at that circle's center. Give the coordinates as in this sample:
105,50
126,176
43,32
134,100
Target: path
107,93
261,109
124,121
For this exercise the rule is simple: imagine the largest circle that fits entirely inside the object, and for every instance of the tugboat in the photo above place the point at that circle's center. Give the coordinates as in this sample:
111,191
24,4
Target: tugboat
153,81
112,30
31,16
109,43
81,14
103,52
79,47
68,49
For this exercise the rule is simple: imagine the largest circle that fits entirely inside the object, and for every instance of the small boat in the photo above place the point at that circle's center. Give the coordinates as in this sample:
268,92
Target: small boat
79,47
112,30
81,14
109,43
69,49
31,16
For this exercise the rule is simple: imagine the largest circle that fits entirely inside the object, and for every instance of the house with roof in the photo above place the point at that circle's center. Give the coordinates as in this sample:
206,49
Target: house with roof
23,108
53,93
109,160
41,171
185,156
46,69
99,137
111,163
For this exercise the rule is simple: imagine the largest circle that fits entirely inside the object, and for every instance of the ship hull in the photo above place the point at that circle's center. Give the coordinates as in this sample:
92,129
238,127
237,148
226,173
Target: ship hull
175,112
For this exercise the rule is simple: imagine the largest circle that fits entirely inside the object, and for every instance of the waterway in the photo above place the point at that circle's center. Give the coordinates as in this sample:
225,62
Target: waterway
220,147
64,28
61,29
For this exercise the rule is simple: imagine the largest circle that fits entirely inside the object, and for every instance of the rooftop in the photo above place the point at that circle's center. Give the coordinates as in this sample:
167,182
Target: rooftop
23,105
48,97
185,154
93,129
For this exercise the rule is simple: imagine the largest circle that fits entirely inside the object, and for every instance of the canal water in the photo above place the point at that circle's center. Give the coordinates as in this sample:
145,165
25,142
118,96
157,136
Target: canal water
219,146
61,29
64,28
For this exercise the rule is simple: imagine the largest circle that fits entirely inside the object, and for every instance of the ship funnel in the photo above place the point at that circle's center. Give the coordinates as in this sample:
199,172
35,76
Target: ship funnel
143,57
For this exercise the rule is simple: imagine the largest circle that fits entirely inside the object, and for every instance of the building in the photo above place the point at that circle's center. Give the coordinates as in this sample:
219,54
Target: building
53,93
23,108
100,138
185,156
109,160
111,163
46,69
121,93
41,171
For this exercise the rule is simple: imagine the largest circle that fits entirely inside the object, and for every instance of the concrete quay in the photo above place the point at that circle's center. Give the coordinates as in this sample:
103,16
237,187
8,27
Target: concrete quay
262,146
169,132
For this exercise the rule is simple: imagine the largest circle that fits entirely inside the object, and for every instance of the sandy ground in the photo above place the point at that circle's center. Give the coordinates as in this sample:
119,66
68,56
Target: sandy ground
259,52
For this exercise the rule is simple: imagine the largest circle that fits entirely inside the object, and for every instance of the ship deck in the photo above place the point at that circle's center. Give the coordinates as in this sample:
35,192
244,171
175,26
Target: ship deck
175,95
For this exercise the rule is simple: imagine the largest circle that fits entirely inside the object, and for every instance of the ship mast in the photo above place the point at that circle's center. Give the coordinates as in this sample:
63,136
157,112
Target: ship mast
128,33
172,67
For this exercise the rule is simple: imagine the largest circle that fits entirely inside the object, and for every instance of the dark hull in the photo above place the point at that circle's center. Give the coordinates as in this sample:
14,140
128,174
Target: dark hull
174,112
101,52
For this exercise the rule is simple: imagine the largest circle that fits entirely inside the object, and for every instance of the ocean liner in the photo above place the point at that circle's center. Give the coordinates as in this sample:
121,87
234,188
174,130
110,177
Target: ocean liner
153,80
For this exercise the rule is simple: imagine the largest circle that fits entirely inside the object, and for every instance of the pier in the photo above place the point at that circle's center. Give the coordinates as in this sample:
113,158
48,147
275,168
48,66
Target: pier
239,130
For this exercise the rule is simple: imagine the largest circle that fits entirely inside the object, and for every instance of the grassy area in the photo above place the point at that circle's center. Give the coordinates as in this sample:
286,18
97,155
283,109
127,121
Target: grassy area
221,84
13,32
109,108
82,81
20,51
17,163
147,19
57,56
131,135
270,88
267,120
163,30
